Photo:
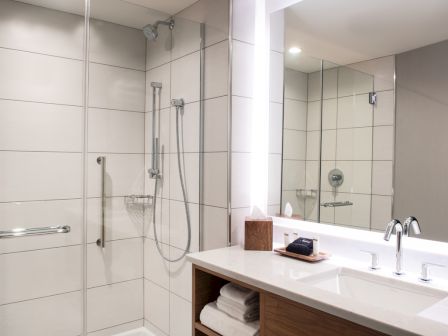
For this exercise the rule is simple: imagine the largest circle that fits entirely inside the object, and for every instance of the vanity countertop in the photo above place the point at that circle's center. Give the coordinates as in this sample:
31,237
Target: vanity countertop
276,274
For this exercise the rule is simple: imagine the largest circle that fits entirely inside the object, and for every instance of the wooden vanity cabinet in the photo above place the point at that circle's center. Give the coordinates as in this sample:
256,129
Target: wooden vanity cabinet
278,315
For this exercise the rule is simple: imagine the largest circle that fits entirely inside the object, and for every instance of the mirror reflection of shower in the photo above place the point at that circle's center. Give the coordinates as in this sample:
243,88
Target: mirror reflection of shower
154,172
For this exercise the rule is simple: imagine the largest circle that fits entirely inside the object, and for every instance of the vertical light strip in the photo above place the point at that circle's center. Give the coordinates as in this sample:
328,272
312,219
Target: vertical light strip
260,113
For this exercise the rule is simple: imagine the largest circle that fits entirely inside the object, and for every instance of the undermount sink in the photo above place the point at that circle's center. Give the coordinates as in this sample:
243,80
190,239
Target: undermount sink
376,290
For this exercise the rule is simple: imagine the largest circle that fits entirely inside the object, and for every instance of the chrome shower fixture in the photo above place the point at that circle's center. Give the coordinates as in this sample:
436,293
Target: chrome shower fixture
156,85
177,102
152,31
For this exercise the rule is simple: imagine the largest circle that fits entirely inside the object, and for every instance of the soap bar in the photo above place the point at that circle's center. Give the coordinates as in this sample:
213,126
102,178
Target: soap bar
299,249
304,241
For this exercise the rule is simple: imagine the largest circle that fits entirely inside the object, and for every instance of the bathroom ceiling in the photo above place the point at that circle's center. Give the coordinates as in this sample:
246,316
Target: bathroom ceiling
349,31
167,6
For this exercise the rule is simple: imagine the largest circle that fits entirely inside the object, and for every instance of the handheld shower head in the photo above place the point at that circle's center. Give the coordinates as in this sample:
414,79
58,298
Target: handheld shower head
151,32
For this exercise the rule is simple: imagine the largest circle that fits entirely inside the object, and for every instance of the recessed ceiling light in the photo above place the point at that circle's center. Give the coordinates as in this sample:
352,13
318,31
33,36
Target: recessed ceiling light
295,50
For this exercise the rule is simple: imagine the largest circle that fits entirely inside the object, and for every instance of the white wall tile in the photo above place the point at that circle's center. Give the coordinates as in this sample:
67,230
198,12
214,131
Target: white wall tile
40,78
240,180
216,70
330,83
242,69
293,175
382,177
357,214
121,260
162,221
384,110
158,51
29,275
357,176
326,167
160,74
237,225
116,88
191,173
117,45
179,227
382,69
327,213
277,26
156,268
295,114
40,127
69,306
276,77
163,184
163,134
314,116
185,78
122,220
244,21
296,85
180,276
354,144
180,316
381,212
114,304
355,111
186,37
383,143
215,179
312,174
241,121
115,131
124,174
314,86
275,128
274,178
61,35
118,329
215,227
297,204
189,123
153,329
329,113
40,214
312,145
157,306
294,145
215,124
40,176
352,82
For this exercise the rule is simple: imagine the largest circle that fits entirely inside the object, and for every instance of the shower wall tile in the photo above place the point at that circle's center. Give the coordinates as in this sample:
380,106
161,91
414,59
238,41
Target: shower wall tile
40,78
329,113
215,124
296,86
357,176
274,178
61,35
237,223
160,74
121,261
382,177
157,269
116,88
178,226
165,129
293,175
313,116
381,212
384,109
275,128
185,78
67,306
27,176
39,214
354,144
123,221
314,86
215,227
180,316
124,174
186,38
157,306
162,221
276,77
191,161
189,129
242,69
295,114
329,142
216,70
214,179
34,274
383,138
113,131
118,329
330,83
40,127
163,184
117,45
294,145
241,121
353,82
355,111
356,215
158,51
114,304
153,329
180,276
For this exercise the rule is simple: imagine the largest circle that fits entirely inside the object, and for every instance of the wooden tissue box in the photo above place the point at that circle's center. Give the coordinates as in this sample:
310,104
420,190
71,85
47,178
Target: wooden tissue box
258,234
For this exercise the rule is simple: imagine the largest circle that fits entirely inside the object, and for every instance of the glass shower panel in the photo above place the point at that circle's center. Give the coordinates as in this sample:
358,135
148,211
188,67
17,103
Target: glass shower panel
347,134
41,168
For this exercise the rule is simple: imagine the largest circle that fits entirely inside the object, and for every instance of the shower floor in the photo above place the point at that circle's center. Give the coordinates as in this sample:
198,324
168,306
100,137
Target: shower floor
136,332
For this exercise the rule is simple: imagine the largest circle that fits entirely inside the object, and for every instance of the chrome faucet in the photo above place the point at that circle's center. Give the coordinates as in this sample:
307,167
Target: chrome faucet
400,231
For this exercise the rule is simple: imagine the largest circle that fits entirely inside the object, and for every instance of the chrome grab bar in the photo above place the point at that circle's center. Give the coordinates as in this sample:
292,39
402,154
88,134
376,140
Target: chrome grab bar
19,232
336,204
101,160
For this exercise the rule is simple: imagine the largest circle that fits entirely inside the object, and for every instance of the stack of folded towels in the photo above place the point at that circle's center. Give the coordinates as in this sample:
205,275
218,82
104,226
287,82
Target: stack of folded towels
236,312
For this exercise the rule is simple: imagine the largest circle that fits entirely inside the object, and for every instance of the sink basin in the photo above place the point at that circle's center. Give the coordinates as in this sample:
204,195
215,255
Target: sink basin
376,290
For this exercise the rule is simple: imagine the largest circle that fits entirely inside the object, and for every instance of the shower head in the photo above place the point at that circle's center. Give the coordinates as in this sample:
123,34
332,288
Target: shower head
152,31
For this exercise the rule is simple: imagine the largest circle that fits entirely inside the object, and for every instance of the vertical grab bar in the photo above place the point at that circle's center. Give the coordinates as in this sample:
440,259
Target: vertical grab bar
101,160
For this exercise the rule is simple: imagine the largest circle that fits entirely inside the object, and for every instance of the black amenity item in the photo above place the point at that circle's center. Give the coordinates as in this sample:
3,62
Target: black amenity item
301,246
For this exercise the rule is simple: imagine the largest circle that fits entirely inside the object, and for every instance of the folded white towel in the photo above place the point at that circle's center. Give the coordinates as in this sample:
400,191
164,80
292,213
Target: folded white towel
240,295
225,325
240,312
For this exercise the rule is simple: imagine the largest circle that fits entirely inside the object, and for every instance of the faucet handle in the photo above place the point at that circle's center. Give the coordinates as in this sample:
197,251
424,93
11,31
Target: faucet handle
375,260
424,276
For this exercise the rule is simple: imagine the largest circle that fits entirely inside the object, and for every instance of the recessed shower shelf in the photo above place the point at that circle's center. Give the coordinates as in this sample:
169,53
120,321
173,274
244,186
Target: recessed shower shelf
144,200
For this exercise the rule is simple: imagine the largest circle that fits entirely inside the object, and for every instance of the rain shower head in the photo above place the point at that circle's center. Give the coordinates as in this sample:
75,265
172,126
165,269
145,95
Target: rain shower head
152,31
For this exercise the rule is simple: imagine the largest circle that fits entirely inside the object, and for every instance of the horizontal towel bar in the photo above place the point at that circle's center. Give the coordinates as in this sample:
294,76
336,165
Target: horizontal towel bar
336,204
19,232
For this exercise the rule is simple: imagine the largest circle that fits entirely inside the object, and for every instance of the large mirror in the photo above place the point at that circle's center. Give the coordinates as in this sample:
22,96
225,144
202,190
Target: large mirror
365,114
